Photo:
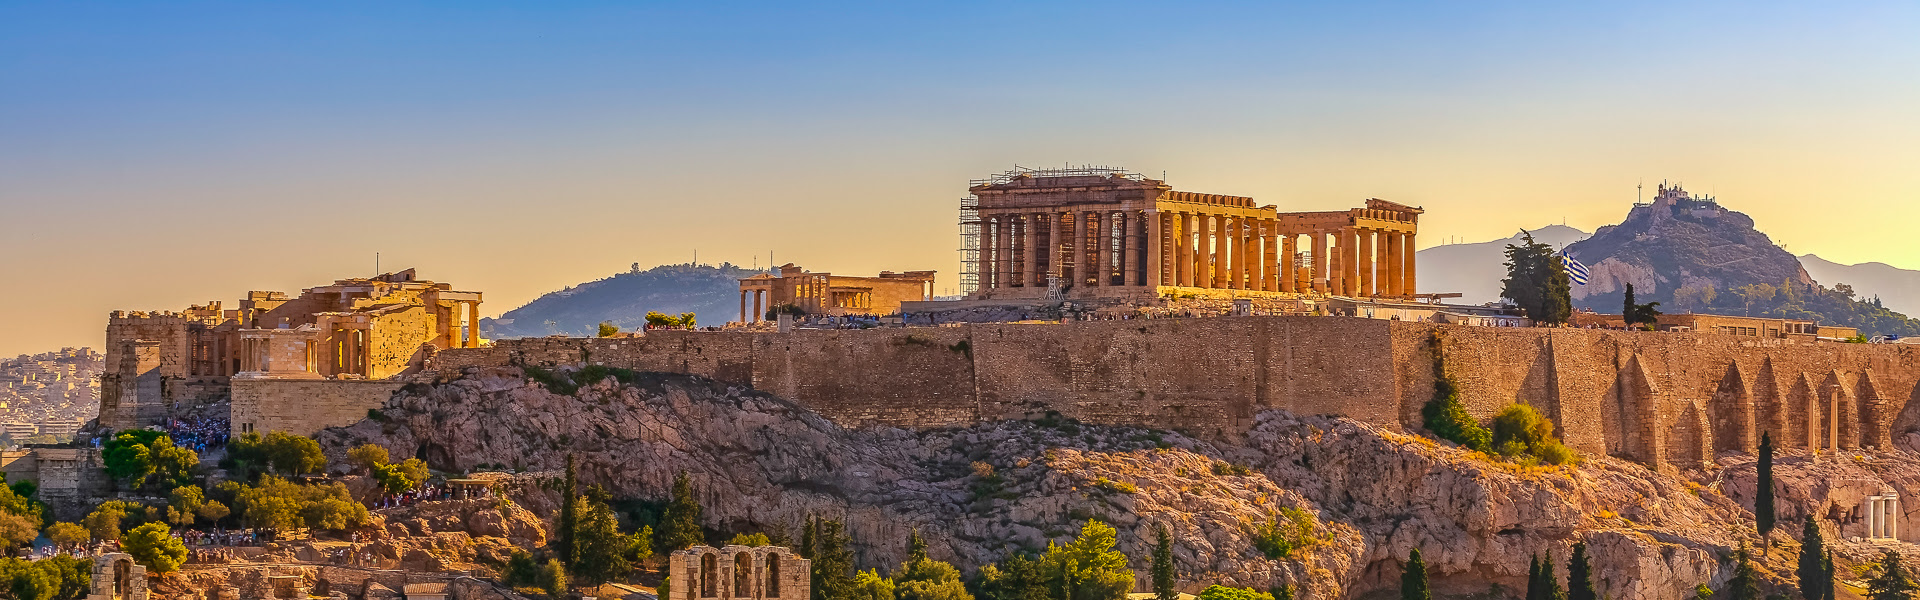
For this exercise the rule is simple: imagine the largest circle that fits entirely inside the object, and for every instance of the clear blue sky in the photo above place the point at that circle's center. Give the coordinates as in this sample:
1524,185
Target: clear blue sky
155,154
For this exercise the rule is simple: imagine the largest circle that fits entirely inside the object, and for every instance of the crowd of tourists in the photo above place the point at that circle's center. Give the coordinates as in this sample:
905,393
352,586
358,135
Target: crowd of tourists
425,493
199,435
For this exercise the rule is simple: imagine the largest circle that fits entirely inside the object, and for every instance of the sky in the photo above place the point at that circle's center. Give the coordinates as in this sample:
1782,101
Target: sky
157,154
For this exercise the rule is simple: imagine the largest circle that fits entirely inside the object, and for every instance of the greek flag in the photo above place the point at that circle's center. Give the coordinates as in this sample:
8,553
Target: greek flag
1575,271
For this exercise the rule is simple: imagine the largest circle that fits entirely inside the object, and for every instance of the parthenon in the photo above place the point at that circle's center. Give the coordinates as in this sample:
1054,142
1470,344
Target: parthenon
1108,233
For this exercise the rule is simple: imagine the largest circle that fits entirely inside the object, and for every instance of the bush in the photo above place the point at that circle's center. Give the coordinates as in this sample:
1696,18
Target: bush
1519,431
1218,592
153,546
1287,530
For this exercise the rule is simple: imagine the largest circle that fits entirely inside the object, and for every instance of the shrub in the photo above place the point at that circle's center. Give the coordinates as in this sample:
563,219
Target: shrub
1219,592
1284,531
1520,432
1115,486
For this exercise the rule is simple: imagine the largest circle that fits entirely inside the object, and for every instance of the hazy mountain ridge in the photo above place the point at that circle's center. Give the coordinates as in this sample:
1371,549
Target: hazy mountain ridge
710,291
1476,269
1897,288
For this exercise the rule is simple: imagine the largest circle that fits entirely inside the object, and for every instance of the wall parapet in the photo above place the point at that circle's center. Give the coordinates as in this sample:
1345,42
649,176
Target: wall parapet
1662,398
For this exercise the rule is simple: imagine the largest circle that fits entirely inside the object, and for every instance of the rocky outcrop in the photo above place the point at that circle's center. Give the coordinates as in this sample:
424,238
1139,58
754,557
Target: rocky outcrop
760,463
1679,241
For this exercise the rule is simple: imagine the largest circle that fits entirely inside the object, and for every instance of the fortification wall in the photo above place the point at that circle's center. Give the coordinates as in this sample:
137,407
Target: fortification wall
1658,397
305,406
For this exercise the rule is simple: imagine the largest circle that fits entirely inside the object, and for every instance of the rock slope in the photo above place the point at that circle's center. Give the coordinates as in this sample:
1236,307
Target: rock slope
760,463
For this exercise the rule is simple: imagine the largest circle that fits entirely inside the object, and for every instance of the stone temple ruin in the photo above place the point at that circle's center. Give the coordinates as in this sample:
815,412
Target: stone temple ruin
117,577
739,573
1102,233
365,330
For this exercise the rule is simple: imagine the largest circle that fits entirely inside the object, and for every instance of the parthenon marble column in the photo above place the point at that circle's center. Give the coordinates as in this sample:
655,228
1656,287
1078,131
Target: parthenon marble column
1155,250
1321,281
1029,246
1288,271
1407,265
1130,258
1365,261
1220,247
989,232
1270,244
1053,246
1235,253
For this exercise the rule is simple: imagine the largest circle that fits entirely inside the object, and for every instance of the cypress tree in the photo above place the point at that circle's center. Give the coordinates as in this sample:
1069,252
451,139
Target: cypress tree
1163,575
832,562
807,532
567,532
1284,592
1580,575
681,528
916,547
1550,583
1826,586
1413,580
1533,578
1628,312
1813,567
1745,584
1763,512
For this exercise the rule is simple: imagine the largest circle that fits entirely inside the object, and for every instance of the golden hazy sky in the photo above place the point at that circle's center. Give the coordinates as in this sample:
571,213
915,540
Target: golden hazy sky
159,156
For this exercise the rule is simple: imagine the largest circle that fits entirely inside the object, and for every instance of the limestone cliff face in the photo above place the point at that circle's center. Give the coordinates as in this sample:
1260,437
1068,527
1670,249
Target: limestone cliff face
762,463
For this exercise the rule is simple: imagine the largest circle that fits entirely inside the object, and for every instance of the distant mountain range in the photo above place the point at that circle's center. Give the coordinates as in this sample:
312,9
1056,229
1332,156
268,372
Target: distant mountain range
1898,289
711,292
1476,269
1473,269
1691,254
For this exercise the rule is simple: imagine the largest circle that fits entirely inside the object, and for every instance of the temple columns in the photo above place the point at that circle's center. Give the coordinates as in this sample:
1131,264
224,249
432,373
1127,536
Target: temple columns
1053,245
1407,261
1219,262
1029,244
1155,250
1392,262
1365,261
987,258
1321,283
1288,271
473,324
1270,244
1005,253
1235,252
1130,259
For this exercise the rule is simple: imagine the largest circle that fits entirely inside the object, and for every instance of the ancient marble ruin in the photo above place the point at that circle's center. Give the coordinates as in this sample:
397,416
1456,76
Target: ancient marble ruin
1107,233
829,294
739,573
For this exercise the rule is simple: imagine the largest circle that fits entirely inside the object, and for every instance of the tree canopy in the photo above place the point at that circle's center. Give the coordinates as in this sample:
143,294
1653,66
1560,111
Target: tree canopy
1537,282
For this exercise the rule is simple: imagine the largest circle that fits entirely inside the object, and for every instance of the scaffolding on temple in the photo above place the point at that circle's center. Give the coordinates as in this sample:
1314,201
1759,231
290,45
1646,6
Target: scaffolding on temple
1067,171
970,243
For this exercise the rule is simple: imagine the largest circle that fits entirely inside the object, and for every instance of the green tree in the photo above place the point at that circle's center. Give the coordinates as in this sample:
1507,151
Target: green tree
144,457
1890,582
60,577
183,504
1533,578
1702,592
608,329
17,531
67,535
928,579
1087,568
1745,584
1163,574
1413,578
365,457
1641,314
680,528
1015,577
1550,581
153,546
1826,584
1813,556
104,522
750,539
1580,575
279,451
552,579
601,553
213,511
1763,511
1221,592
916,547
1283,592
832,561
870,585
566,528
1537,282
276,503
